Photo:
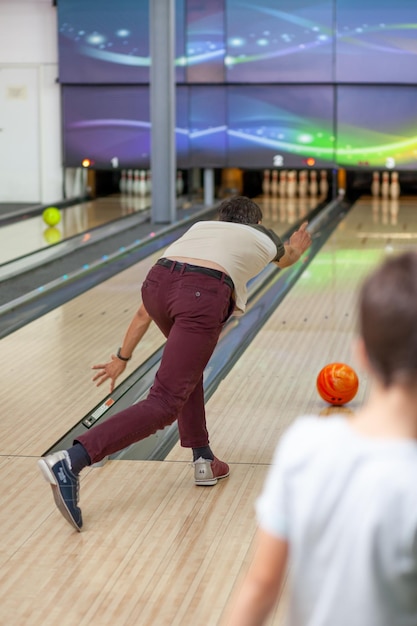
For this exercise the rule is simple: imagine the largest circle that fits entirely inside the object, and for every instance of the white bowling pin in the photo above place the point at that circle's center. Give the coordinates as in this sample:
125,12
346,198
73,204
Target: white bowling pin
302,184
142,187
385,185
122,182
129,182
323,185
313,187
291,184
266,183
395,186
274,183
136,182
375,184
283,183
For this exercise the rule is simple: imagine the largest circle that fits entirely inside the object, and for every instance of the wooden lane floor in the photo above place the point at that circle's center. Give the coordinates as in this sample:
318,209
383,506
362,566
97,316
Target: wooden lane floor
156,549
28,235
47,385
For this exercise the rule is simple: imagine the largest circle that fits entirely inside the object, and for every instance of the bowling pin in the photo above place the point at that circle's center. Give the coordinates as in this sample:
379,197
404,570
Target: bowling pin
385,185
142,187
395,186
313,188
129,182
274,183
291,184
375,184
136,182
302,184
266,183
122,182
283,183
324,185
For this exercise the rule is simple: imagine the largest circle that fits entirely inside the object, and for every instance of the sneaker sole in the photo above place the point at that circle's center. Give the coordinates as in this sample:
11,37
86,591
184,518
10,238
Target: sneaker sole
211,481
59,501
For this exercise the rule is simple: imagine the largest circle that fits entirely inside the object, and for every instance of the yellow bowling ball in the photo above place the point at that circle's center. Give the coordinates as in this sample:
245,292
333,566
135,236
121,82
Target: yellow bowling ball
51,216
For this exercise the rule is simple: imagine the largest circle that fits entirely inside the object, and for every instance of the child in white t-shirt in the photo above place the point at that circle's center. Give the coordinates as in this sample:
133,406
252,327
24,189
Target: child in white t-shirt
339,506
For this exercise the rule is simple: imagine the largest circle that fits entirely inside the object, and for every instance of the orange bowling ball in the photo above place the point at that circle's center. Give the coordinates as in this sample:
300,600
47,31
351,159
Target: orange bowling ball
337,383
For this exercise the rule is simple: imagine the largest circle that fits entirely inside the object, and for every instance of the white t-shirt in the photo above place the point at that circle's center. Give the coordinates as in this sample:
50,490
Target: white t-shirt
243,250
347,505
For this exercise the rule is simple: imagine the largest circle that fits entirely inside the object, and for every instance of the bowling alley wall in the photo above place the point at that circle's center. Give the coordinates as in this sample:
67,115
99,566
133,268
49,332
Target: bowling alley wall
265,83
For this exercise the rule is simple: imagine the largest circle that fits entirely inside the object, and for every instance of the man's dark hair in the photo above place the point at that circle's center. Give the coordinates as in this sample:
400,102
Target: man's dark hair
388,320
239,209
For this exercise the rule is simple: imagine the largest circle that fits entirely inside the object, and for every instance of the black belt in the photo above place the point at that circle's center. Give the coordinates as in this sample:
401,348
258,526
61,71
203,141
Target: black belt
186,267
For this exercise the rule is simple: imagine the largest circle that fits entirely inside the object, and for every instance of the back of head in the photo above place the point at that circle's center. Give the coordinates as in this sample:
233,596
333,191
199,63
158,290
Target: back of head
240,210
387,318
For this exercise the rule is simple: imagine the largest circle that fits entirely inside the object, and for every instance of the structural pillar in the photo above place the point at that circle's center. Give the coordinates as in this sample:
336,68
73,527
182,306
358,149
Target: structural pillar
162,105
208,187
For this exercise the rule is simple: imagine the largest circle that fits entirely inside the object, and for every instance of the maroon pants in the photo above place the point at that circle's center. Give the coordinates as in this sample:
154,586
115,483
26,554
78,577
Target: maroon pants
190,309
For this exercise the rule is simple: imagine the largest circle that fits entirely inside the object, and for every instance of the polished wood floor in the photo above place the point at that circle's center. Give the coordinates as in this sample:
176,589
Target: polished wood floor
156,549
28,235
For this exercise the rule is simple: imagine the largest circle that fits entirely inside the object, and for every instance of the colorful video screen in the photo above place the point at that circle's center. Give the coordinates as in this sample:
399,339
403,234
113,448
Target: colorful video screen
377,127
376,41
205,47
182,139
208,129
111,126
103,41
280,126
287,41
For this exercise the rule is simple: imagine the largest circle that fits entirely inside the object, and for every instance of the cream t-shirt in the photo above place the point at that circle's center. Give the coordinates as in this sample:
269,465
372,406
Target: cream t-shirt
243,250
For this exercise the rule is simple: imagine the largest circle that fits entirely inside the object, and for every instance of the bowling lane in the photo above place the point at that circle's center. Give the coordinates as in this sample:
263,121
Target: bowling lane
274,381
28,235
140,508
49,390
46,387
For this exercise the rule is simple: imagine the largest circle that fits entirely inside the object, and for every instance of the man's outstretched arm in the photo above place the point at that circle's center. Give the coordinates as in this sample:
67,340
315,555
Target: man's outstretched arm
136,330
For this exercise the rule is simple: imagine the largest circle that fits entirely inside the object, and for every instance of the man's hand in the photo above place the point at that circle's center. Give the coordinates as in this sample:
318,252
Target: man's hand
301,239
110,370
294,248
